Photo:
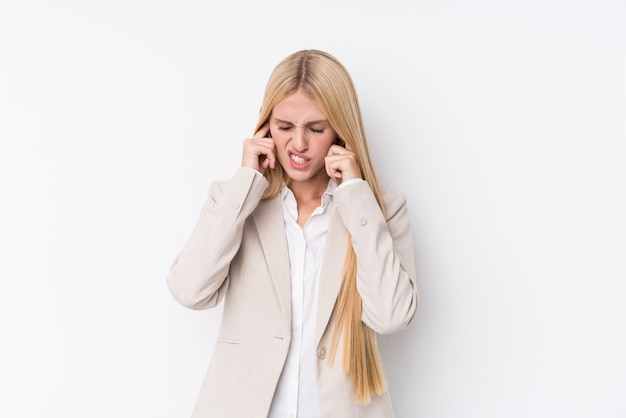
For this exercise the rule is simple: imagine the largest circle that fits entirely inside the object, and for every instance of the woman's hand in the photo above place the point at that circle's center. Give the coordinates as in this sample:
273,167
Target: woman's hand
259,152
341,163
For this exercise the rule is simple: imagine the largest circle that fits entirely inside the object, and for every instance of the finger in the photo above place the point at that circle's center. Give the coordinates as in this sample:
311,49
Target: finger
339,150
333,167
259,153
269,160
271,153
342,166
263,142
262,133
267,154
333,173
335,150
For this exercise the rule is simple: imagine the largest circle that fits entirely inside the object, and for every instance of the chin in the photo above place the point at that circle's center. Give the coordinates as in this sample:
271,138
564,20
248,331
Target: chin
299,176
303,176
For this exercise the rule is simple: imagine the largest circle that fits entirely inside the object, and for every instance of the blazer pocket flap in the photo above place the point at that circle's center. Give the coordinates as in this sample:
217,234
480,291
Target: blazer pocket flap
229,343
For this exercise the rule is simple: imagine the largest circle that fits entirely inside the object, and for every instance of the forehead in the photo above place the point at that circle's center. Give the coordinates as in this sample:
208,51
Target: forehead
298,108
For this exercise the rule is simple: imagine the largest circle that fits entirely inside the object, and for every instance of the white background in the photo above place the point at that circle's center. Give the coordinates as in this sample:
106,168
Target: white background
503,122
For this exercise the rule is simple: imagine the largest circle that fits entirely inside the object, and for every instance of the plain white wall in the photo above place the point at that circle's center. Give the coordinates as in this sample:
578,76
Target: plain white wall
502,121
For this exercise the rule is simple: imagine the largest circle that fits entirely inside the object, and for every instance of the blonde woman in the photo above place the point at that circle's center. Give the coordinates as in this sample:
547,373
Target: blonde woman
311,257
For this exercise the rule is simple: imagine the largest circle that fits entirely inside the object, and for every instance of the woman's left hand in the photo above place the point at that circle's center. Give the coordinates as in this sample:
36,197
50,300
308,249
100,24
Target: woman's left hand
341,163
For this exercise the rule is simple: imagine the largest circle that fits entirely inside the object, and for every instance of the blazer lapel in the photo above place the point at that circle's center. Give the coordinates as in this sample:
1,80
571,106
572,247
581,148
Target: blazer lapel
270,224
331,272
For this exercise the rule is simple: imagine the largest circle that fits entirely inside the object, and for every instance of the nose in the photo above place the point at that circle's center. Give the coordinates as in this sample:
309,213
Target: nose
299,139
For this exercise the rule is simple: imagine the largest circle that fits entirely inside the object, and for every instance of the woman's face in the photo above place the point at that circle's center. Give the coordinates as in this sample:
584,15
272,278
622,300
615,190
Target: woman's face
302,135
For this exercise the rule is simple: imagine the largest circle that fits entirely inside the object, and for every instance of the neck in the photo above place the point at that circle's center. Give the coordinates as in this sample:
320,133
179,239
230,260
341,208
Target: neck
311,190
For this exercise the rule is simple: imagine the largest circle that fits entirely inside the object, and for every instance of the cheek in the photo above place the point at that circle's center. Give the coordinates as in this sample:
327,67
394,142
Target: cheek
280,139
327,141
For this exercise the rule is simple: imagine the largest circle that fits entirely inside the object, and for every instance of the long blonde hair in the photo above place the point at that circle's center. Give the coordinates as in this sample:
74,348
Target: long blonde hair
326,81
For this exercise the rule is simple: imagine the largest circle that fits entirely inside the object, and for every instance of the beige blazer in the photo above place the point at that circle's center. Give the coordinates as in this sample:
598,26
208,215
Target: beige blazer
238,252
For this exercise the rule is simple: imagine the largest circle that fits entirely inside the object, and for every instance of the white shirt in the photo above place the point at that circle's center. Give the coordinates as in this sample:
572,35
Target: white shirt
296,393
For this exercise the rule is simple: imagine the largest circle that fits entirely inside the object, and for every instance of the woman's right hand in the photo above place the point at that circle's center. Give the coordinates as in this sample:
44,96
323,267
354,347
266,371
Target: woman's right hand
259,152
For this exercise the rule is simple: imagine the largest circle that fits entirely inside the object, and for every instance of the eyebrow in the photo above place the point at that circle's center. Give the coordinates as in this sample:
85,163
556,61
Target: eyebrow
306,124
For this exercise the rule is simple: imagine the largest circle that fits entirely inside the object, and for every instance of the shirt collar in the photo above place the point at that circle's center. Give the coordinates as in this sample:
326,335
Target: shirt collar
331,187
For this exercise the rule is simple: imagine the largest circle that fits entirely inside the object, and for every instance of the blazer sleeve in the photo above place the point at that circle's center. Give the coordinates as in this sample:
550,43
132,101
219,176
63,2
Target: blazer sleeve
198,277
385,256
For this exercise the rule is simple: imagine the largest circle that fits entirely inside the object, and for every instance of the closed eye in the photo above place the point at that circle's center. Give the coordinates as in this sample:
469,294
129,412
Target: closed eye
288,128
315,127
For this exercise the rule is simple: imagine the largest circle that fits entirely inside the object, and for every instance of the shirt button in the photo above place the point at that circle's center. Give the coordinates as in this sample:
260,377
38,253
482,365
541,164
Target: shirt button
321,352
363,222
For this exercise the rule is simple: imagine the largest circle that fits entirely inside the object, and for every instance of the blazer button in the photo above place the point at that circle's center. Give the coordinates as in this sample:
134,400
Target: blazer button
363,222
321,352
235,205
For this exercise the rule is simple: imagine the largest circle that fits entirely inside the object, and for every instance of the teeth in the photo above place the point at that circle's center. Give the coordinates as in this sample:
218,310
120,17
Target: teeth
298,160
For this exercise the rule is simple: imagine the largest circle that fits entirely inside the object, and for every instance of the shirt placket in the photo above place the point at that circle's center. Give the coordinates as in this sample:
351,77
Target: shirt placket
297,304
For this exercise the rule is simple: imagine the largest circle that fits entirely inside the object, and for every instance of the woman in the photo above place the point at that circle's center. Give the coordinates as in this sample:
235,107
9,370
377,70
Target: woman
310,256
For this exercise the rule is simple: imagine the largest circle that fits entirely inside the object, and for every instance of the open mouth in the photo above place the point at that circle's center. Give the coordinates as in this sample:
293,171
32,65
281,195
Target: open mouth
298,161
